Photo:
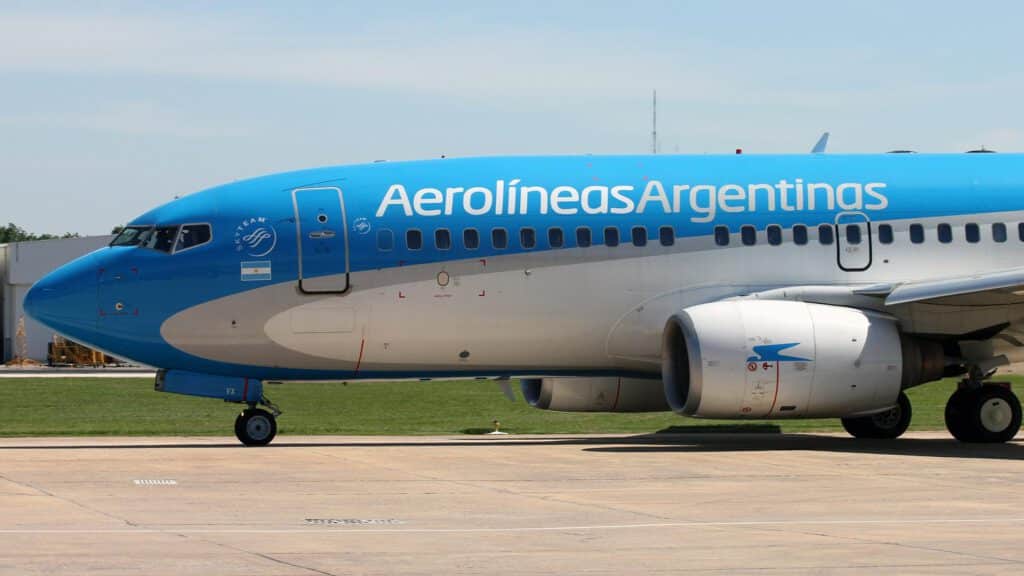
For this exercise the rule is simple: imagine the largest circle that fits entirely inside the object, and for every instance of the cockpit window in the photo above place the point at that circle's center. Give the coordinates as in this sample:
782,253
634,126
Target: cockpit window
192,235
162,238
130,236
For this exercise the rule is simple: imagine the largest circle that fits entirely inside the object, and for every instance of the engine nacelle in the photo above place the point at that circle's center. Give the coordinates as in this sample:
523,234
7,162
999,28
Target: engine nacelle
784,359
605,394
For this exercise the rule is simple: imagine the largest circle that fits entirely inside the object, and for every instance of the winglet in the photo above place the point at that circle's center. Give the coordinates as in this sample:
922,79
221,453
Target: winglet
819,148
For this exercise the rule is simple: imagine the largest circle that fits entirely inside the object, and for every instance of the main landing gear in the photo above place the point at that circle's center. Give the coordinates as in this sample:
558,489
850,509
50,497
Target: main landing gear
887,425
256,426
986,413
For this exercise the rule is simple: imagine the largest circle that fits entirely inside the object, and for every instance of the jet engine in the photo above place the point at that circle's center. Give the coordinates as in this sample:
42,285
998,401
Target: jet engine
784,359
605,394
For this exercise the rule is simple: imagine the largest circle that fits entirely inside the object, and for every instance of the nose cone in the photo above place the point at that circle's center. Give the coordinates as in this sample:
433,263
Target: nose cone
65,299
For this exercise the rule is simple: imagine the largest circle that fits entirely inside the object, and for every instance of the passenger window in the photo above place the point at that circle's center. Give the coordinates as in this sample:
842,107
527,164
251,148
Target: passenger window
800,234
611,236
1020,231
442,239
826,234
999,232
945,233
555,237
413,239
499,238
885,233
192,235
385,240
470,238
748,235
774,232
666,235
163,238
721,235
916,233
527,238
853,234
583,239
639,234
972,233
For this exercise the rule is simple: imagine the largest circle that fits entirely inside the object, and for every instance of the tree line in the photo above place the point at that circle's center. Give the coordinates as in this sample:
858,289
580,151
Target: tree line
14,233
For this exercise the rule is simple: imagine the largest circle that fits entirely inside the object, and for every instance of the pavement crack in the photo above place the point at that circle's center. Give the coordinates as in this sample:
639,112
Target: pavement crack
71,501
263,555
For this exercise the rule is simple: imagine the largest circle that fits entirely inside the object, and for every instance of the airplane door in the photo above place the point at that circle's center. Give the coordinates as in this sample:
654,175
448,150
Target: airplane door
853,241
322,240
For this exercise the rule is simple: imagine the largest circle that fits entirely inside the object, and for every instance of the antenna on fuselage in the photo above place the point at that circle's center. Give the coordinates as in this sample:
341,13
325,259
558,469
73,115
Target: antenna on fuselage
654,123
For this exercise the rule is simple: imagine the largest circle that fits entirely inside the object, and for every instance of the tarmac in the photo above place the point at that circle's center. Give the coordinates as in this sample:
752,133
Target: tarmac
695,503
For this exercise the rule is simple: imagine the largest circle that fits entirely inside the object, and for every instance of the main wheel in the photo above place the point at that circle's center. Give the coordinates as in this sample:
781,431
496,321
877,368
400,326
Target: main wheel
255,427
988,414
889,424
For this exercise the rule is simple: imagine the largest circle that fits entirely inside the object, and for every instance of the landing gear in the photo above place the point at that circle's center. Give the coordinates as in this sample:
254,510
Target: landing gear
984,414
886,425
255,427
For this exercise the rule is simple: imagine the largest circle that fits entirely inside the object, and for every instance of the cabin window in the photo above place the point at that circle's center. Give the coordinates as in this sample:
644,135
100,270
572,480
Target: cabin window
162,238
1020,231
748,235
499,238
611,236
853,234
442,239
193,235
800,234
945,233
470,238
385,240
556,238
885,233
999,232
774,233
916,233
413,239
639,234
721,235
583,239
826,234
666,235
972,233
527,238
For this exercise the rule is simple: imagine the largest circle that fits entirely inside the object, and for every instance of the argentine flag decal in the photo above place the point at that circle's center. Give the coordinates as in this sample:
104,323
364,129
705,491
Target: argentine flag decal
253,271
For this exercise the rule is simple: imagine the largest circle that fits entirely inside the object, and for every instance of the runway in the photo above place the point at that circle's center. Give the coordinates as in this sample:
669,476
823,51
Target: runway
697,503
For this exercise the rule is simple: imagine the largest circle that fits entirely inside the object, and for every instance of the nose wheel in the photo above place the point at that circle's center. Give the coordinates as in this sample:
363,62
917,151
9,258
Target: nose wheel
255,427
986,414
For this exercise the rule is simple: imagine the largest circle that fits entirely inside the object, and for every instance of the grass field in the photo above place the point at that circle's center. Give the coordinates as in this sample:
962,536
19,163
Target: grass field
69,406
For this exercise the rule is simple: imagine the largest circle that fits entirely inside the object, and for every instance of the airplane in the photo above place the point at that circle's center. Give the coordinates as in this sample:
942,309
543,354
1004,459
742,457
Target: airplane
733,286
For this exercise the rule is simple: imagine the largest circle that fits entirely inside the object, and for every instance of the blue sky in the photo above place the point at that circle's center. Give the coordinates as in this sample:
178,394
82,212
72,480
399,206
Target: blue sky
110,108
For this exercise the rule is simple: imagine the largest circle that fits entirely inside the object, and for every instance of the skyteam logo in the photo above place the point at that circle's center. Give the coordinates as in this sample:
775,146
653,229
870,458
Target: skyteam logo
256,237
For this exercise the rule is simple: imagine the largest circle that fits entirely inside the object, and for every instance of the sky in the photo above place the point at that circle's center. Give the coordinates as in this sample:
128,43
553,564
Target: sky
108,109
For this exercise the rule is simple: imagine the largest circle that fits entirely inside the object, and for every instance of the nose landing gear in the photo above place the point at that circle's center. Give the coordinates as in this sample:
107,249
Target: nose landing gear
988,413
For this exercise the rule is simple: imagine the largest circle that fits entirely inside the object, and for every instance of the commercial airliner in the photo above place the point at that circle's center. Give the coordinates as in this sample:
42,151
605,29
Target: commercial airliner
746,287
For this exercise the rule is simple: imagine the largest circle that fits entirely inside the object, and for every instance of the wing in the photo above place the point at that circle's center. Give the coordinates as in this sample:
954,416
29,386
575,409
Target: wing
1000,288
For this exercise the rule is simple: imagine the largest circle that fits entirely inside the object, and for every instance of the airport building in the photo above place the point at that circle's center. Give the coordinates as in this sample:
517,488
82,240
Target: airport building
21,264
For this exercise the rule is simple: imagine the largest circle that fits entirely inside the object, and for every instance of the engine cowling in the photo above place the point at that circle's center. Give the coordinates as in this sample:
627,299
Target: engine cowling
604,394
784,359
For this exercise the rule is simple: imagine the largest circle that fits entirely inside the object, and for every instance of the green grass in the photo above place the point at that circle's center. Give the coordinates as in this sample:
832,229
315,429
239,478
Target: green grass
69,406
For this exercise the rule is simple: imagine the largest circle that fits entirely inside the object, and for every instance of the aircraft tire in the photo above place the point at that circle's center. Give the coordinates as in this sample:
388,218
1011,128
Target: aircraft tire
255,427
990,414
884,425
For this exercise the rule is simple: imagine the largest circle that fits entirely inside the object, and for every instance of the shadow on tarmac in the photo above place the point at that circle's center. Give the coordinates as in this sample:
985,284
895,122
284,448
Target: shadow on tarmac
740,438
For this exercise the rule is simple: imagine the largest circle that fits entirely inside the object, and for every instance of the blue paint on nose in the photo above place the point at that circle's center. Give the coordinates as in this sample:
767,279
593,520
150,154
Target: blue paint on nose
65,299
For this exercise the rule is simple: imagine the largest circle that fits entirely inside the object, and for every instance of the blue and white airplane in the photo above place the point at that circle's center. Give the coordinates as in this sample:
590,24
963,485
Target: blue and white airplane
740,287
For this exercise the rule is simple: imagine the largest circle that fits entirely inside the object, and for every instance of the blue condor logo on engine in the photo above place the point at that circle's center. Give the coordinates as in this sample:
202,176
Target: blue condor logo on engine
703,201
773,353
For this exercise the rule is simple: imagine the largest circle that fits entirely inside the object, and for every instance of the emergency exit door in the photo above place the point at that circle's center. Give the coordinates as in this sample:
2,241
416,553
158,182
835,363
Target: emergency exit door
853,241
322,240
